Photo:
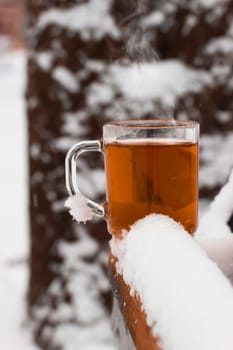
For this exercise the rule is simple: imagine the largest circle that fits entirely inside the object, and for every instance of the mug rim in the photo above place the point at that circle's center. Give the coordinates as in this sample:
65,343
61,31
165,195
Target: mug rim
153,123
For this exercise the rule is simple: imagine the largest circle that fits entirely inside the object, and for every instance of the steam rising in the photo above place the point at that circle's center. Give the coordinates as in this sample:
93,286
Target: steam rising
139,53
138,47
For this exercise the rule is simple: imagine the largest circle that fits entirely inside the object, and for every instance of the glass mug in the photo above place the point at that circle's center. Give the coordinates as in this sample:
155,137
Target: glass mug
151,166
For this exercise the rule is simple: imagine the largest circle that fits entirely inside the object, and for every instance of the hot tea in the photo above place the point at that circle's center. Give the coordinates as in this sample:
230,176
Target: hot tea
151,166
151,176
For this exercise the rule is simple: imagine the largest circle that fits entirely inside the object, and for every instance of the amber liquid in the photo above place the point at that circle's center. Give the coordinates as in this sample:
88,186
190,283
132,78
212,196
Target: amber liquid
151,176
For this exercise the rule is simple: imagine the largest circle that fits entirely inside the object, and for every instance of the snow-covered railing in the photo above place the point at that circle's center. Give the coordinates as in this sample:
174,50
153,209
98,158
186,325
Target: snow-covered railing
173,291
129,320
170,290
168,294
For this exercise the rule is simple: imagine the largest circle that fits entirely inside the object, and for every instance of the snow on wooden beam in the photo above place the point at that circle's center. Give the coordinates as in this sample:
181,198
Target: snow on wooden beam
132,328
120,328
214,233
168,283
214,223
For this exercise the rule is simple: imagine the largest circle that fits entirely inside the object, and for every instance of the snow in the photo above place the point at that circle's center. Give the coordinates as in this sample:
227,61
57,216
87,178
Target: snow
158,81
210,4
138,89
15,329
91,20
222,44
216,159
90,182
224,116
78,208
220,72
214,223
66,78
91,338
73,123
95,65
188,302
63,143
120,331
220,251
146,88
44,59
214,234
4,43
14,236
99,94
153,19
85,281
190,22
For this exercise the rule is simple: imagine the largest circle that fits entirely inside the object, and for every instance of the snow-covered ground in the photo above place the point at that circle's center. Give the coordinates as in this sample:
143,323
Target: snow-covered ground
14,236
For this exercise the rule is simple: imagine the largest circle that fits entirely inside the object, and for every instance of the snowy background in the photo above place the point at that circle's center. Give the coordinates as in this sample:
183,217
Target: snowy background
16,330
14,240
116,92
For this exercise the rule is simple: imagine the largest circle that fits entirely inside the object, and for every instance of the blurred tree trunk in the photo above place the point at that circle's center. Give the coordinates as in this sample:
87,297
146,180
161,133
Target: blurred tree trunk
68,285
62,64
69,97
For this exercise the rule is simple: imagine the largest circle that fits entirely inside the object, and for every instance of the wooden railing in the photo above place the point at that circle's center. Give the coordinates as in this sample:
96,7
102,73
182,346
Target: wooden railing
129,320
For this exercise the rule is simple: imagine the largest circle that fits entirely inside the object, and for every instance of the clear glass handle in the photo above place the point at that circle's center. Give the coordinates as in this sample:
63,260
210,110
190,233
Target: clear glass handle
71,171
